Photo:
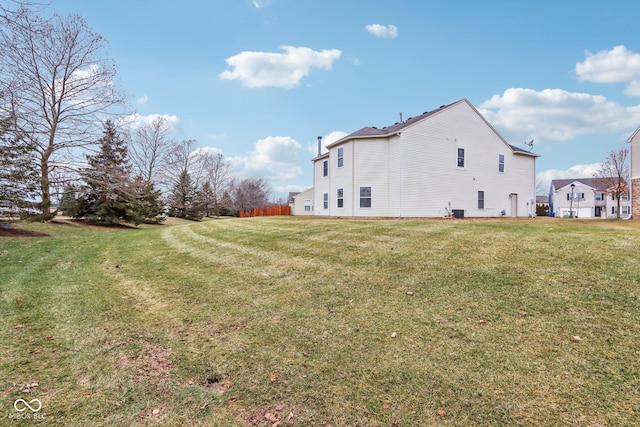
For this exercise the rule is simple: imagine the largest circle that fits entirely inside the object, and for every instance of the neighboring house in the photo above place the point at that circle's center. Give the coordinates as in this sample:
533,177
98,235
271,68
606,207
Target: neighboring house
542,205
634,141
588,198
445,162
302,203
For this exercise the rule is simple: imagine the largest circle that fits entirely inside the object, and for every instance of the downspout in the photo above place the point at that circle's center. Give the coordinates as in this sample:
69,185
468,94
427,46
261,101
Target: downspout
401,168
353,175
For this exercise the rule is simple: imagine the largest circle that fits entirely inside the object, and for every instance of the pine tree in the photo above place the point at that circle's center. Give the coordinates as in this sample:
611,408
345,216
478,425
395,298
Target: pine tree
18,179
185,200
209,199
225,207
148,199
110,197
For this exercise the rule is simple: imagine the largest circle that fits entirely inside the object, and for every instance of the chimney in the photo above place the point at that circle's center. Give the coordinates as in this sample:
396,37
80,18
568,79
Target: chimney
319,145
400,116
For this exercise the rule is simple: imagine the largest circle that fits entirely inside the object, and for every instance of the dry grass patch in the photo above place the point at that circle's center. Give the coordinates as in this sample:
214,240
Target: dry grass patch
305,321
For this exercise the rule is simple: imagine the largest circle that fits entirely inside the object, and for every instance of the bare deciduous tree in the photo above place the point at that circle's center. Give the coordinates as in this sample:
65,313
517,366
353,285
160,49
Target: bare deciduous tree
184,157
217,177
613,174
251,193
150,149
57,86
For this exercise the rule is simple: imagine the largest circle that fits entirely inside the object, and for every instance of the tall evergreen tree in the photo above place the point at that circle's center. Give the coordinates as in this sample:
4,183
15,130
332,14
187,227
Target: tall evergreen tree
150,206
209,201
185,199
110,197
18,181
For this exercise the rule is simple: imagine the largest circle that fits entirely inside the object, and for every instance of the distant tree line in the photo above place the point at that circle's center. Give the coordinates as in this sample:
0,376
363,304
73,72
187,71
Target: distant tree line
63,136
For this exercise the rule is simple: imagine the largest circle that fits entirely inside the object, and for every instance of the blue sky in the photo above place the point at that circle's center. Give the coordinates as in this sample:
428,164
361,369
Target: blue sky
259,80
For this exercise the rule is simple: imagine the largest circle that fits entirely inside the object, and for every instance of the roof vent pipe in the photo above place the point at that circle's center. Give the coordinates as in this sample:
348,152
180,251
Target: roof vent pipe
319,145
400,116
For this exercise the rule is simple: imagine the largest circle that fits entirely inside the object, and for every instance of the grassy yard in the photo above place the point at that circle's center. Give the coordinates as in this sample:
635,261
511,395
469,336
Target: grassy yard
301,321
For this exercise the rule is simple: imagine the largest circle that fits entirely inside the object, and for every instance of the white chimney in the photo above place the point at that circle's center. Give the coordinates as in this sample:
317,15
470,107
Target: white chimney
319,145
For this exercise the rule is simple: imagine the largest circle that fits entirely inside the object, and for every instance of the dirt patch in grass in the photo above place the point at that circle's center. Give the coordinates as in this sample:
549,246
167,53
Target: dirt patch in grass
216,383
17,232
276,416
152,364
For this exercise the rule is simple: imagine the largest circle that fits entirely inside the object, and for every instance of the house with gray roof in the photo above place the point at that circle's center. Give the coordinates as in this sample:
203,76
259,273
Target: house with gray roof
446,162
585,198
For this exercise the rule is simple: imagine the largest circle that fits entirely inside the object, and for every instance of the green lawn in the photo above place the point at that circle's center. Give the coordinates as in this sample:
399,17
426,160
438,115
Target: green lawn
303,321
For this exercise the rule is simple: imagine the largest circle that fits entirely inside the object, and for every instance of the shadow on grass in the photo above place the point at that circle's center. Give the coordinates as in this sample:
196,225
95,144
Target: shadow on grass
16,232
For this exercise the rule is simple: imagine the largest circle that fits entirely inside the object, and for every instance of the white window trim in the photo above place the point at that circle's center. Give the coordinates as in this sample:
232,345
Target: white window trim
464,157
340,198
360,196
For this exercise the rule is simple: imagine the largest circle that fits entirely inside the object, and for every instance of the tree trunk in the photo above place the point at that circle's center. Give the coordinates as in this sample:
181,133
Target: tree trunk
45,204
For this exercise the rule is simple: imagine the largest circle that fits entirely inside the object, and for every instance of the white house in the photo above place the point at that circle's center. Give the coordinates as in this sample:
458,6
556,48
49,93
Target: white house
584,198
634,141
449,161
302,203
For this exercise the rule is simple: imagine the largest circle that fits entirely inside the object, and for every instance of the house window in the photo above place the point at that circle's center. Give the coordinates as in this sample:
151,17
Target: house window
340,157
599,197
480,199
460,157
325,168
341,197
308,207
365,197
500,162
325,200
625,197
624,210
575,196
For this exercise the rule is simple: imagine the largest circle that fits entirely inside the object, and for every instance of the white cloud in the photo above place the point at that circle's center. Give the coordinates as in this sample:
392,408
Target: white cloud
618,65
383,31
544,178
326,140
556,115
258,4
285,70
142,100
205,150
134,121
274,158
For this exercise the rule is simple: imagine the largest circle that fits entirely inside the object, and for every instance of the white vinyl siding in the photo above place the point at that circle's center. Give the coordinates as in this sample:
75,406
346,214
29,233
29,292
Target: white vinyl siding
415,173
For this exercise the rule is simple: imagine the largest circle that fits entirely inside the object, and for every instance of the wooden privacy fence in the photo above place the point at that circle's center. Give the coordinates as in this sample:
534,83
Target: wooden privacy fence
266,211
